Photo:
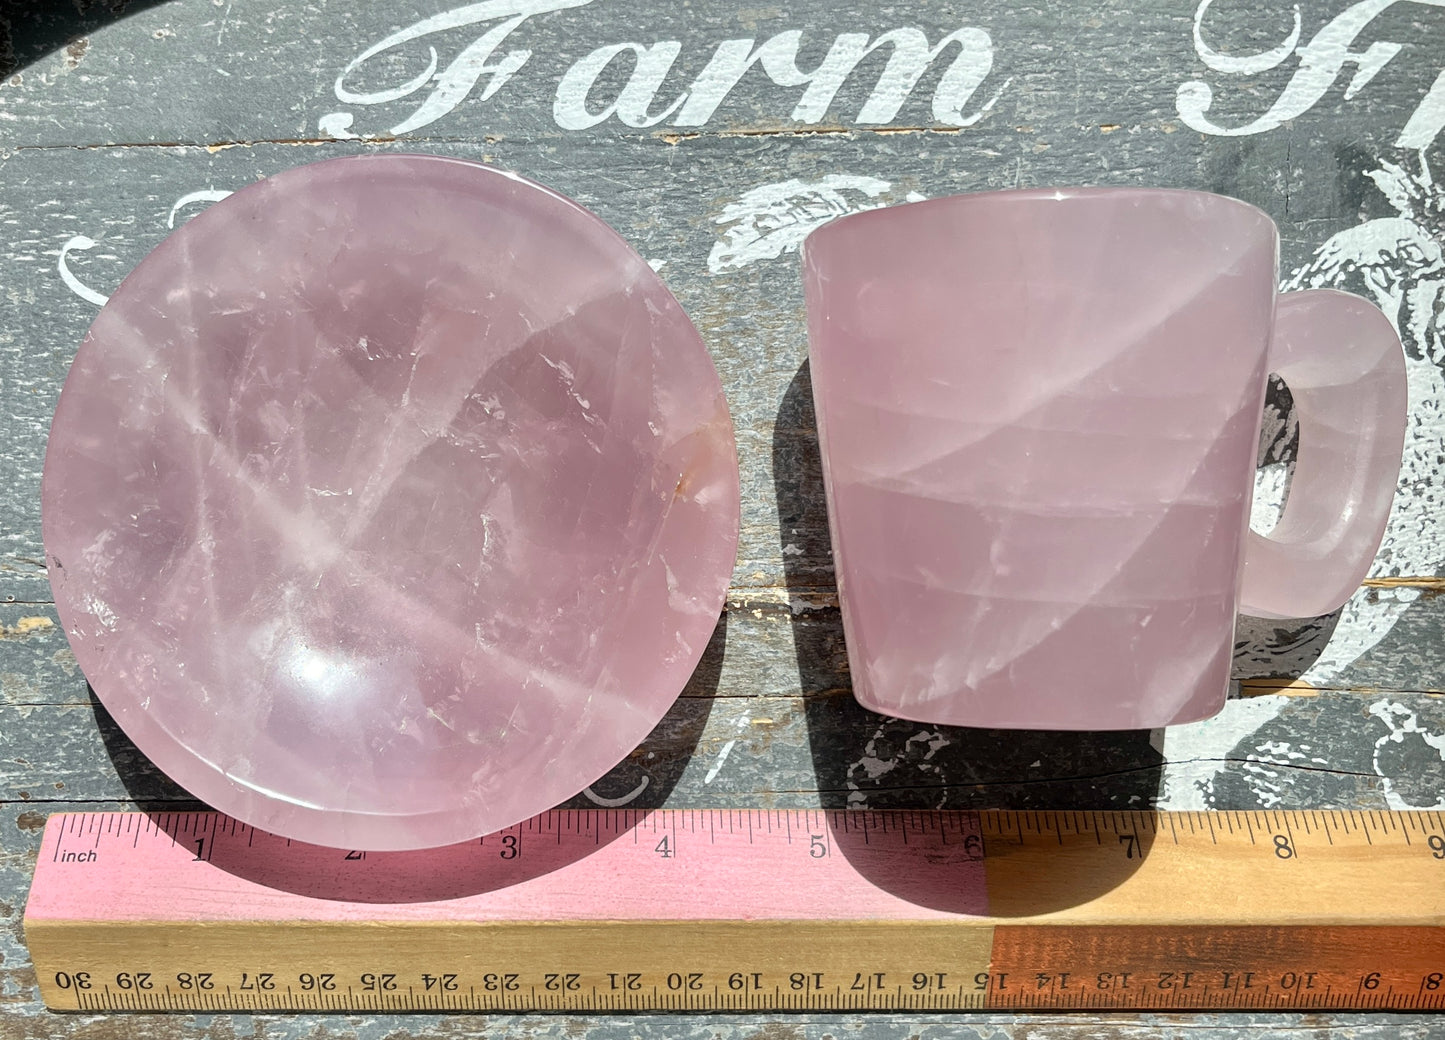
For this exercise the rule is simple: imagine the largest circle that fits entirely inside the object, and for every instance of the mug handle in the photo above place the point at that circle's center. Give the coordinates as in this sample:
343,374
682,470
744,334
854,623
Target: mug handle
1345,368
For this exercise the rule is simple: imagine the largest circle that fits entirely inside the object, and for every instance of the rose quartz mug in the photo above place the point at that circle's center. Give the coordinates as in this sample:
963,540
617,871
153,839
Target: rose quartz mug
1039,414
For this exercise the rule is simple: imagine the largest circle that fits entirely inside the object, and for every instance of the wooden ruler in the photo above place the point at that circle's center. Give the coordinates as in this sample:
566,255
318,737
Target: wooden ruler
735,909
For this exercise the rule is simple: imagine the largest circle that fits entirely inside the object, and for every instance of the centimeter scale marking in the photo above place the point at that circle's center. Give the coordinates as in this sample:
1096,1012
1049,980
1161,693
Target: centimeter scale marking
751,910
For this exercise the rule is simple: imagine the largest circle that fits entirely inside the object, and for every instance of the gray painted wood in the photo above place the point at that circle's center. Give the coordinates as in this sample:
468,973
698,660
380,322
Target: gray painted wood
751,316
790,752
247,72
103,134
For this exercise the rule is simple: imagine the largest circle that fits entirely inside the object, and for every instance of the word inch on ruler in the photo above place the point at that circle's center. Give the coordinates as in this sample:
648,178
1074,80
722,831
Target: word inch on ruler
750,909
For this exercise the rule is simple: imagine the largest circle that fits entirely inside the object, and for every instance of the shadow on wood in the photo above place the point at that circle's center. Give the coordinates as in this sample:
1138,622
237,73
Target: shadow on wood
150,789
643,780
646,778
863,760
29,31
1279,649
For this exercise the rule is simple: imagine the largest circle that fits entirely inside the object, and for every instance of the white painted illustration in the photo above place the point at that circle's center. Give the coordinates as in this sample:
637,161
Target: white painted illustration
651,95
617,803
886,750
1401,753
82,243
78,243
772,219
1197,754
742,724
1399,263
205,195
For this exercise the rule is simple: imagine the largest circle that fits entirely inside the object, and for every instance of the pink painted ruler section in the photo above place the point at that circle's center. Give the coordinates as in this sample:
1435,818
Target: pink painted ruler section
563,865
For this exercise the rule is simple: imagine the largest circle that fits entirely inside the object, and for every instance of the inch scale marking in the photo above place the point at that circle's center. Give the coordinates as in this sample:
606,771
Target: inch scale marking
751,910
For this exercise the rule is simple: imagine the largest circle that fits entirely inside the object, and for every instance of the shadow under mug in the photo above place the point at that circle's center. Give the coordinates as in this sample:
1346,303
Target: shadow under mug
1039,414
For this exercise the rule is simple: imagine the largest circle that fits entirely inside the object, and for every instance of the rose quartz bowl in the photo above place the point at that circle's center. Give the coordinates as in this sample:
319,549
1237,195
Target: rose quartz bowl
390,501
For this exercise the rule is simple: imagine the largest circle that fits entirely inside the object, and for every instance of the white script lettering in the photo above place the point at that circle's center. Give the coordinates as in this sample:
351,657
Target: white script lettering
632,102
576,106
1320,63
460,77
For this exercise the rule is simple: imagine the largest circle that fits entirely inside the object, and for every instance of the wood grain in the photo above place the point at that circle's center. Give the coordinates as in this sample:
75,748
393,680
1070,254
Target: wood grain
1314,967
754,909
107,122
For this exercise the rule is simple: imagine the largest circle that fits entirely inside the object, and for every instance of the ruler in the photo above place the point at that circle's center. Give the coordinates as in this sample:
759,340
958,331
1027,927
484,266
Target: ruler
751,910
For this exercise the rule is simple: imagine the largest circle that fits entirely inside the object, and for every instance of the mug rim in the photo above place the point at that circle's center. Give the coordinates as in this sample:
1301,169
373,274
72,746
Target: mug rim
1036,195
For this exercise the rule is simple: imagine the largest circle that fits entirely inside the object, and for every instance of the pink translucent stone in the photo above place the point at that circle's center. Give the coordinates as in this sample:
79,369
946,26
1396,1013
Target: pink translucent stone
390,501
1039,413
